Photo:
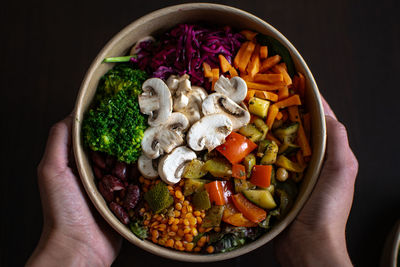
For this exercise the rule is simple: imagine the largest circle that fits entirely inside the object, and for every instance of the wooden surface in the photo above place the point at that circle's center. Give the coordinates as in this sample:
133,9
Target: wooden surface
352,48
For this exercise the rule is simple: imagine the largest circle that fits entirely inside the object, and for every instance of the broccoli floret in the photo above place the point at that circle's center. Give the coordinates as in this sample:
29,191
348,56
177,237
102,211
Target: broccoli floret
114,124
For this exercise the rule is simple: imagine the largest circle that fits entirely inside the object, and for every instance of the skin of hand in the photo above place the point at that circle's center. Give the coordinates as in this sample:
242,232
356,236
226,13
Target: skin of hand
73,233
317,236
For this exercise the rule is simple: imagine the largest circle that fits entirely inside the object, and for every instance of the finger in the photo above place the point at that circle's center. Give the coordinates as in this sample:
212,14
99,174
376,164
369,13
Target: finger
58,143
327,109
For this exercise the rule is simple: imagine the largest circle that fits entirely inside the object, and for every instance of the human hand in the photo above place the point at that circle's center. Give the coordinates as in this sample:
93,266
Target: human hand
72,233
317,236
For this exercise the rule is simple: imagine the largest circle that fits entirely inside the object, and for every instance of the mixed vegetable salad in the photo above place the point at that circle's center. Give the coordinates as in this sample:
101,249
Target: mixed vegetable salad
198,137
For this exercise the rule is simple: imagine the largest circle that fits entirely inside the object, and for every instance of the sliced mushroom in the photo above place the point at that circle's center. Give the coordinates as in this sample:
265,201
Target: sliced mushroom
219,103
181,96
162,139
171,166
136,48
155,101
147,167
235,88
209,132
193,110
173,83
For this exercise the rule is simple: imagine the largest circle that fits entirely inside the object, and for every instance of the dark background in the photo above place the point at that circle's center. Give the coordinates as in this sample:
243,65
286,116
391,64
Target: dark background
352,48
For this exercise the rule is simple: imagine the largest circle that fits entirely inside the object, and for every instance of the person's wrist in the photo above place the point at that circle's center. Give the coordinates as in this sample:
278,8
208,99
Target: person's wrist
322,247
56,247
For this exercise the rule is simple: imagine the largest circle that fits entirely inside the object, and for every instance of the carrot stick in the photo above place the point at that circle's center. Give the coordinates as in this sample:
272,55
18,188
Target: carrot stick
239,54
301,136
250,94
233,72
279,116
244,61
266,95
263,52
281,68
273,138
246,78
270,62
254,65
273,111
249,35
302,84
294,100
207,70
225,65
268,78
299,157
261,86
283,93
307,125
215,77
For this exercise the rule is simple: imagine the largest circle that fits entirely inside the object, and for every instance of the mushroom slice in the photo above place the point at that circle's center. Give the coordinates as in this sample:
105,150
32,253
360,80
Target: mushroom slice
193,111
219,103
136,48
173,83
235,88
162,139
171,166
181,99
155,101
209,132
147,167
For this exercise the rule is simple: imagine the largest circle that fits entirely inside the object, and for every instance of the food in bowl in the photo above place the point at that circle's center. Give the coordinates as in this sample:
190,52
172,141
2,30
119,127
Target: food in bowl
199,138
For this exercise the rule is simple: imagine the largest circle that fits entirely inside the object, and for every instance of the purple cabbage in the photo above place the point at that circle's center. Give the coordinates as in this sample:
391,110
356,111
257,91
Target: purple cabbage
183,50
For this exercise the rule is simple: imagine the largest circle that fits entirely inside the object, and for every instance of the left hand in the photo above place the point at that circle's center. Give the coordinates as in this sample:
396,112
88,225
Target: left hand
73,233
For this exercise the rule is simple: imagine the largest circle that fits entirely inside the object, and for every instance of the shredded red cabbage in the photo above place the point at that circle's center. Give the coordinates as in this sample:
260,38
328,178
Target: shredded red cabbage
184,49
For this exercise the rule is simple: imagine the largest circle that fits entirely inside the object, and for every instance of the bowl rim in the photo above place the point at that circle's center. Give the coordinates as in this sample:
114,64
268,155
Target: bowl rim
97,199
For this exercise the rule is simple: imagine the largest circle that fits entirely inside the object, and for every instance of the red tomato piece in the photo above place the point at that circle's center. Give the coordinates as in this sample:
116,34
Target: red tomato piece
261,175
236,147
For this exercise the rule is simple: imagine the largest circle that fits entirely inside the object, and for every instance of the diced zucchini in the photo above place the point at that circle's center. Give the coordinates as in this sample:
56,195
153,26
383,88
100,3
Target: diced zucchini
194,169
289,165
270,154
158,197
288,149
262,146
261,198
241,185
270,188
201,200
213,217
261,126
218,167
193,185
251,132
287,133
249,161
258,106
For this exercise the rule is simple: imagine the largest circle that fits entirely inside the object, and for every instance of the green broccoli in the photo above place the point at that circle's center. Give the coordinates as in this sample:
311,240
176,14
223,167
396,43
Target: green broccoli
114,124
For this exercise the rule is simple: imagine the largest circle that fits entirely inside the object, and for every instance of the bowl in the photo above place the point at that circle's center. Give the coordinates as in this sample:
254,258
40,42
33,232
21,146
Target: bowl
158,22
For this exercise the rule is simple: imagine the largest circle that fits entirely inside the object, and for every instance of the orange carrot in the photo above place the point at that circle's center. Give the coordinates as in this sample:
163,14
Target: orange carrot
254,65
246,77
250,94
299,157
307,125
233,72
238,171
279,116
263,52
281,68
249,210
283,93
294,100
268,78
249,35
244,61
270,62
239,54
207,70
273,138
266,95
215,77
301,136
300,85
225,65
273,111
262,86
